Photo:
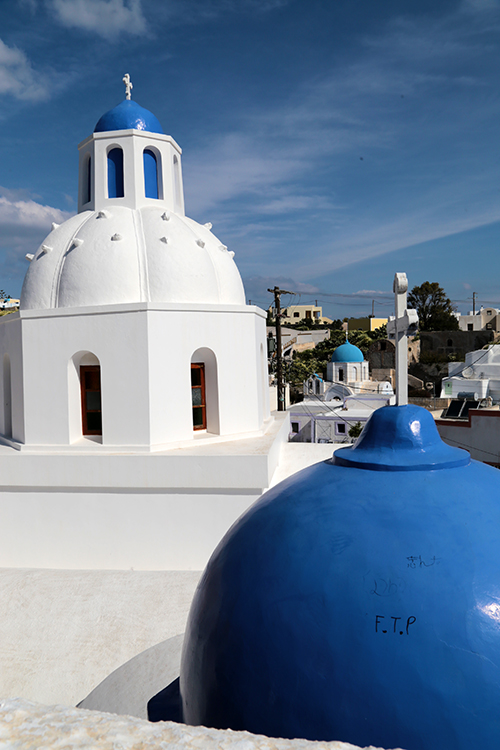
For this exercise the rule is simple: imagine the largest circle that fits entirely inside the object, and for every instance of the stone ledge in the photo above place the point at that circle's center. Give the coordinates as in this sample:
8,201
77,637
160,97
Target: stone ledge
25,725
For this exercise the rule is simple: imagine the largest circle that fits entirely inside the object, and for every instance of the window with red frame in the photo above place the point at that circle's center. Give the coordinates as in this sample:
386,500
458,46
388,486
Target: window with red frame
90,383
198,396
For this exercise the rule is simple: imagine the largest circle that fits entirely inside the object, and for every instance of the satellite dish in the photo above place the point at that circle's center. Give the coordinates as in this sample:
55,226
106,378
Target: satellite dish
468,372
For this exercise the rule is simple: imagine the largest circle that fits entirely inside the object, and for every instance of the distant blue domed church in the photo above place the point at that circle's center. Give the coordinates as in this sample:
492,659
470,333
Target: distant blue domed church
347,365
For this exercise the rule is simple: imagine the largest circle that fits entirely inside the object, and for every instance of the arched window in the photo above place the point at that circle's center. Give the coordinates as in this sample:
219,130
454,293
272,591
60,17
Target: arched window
341,374
115,173
198,396
7,397
205,391
87,181
90,385
150,174
177,184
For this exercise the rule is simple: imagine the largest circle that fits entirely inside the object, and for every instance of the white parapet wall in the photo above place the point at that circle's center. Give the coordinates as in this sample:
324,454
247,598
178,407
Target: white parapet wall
63,632
26,725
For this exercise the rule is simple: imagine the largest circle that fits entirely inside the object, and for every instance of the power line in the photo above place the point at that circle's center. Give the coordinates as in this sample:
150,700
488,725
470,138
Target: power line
470,447
279,353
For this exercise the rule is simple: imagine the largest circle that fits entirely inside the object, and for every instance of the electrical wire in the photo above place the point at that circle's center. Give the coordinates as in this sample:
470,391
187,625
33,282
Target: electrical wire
460,444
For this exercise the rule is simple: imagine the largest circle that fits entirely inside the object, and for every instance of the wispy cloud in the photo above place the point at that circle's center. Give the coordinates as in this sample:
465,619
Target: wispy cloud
185,12
256,287
17,77
30,5
23,225
107,18
399,104
23,220
369,292
480,5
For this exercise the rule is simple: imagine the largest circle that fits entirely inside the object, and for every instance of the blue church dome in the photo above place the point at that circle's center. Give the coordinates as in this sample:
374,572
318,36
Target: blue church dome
128,115
347,353
358,600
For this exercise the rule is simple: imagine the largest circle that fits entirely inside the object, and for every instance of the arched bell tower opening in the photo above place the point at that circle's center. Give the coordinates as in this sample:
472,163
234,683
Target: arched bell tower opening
177,185
152,173
115,173
87,180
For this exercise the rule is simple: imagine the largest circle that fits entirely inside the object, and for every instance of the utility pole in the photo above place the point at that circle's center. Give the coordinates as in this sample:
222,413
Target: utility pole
279,353
474,295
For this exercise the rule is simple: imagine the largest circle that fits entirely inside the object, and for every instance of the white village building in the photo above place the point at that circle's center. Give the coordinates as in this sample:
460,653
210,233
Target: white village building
346,398
128,446
478,377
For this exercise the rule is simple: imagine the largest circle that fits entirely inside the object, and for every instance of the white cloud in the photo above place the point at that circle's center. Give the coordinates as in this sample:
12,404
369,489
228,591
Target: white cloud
368,291
410,104
24,222
30,5
17,76
256,288
23,225
107,18
480,5
198,11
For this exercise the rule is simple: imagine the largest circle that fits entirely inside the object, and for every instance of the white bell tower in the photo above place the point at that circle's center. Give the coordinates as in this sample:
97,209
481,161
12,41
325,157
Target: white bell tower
128,161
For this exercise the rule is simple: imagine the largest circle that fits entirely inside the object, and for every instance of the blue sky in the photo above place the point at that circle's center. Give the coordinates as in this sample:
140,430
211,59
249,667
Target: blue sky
331,143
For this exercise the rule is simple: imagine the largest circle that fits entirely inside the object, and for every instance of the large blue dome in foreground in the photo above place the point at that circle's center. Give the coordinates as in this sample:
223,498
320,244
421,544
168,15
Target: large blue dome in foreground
359,600
128,115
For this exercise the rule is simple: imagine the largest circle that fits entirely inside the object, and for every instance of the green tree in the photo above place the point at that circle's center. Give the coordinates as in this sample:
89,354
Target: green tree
379,333
335,325
355,430
435,311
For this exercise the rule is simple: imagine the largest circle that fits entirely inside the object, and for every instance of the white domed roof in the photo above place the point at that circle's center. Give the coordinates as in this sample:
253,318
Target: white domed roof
123,255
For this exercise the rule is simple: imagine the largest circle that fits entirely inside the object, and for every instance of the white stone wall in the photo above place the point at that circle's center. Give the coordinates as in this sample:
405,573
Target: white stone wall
145,353
64,632
25,725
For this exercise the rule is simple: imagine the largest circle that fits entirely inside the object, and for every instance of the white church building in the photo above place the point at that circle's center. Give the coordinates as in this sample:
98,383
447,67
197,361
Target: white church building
127,445
118,371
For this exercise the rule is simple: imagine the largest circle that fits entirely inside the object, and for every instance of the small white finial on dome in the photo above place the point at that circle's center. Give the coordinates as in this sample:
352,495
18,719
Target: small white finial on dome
128,86
208,225
29,256
46,249
54,225
77,242
200,243
165,216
